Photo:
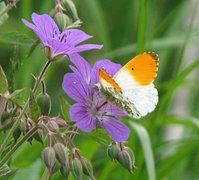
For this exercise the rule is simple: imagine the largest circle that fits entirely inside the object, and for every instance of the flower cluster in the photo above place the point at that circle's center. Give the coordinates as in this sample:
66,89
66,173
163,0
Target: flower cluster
91,109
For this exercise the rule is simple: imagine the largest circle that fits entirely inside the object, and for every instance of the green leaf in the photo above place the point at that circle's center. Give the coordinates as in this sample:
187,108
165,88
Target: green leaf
4,17
35,110
3,82
16,134
32,171
14,37
147,149
6,172
16,97
64,108
38,137
100,136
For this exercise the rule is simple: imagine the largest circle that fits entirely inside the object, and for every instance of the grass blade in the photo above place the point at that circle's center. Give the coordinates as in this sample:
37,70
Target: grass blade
186,41
147,149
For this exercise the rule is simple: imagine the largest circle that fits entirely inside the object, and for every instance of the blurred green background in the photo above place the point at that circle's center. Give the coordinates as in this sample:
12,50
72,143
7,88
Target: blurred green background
166,142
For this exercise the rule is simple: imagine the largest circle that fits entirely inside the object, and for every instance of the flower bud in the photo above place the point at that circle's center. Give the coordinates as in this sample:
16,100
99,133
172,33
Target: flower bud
48,53
125,159
61,154
55,168
65,172
131,155
48,156
44,102
87,167
59,121
58,57
76,168
113,150
53,126
62,20
70,9
50,56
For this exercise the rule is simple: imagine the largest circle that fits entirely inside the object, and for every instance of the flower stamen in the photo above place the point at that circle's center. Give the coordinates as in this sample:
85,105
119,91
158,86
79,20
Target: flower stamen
99,107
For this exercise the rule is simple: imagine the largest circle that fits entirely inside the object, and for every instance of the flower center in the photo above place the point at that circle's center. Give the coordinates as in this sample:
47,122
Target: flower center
62,37
97,107
100,106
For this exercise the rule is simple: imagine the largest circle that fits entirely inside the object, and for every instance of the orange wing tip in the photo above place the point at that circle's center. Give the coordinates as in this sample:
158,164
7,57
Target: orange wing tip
143,68
106,77
156,58
153,55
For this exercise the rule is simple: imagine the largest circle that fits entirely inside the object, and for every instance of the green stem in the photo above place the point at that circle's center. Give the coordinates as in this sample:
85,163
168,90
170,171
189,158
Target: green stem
43,71
17,145
15,125
8,8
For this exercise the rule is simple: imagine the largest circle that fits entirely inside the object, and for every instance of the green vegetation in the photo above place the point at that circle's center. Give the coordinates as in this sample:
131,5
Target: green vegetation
125,28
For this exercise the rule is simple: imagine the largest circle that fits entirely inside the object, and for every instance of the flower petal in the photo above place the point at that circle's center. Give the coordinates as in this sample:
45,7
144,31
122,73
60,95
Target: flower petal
110,67
36,31
77,111
58,47
75,36
113,110
75,87
85,47
44,27
45,24
28,24
79,114
116,129
81,65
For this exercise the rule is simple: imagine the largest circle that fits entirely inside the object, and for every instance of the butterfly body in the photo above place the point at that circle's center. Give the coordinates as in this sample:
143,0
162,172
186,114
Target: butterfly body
115,95
132,88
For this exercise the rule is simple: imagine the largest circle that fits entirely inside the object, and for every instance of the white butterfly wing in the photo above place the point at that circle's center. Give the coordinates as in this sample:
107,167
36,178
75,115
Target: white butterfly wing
138,91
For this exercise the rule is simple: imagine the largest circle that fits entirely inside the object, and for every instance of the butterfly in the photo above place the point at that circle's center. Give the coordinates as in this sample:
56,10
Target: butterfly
132,88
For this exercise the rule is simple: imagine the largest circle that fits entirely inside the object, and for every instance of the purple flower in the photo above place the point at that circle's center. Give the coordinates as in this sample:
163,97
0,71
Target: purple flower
60,43
92,109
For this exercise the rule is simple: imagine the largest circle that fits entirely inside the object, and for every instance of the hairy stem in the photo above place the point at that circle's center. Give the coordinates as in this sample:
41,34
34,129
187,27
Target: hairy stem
121,145
58,6
15,125
17,145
